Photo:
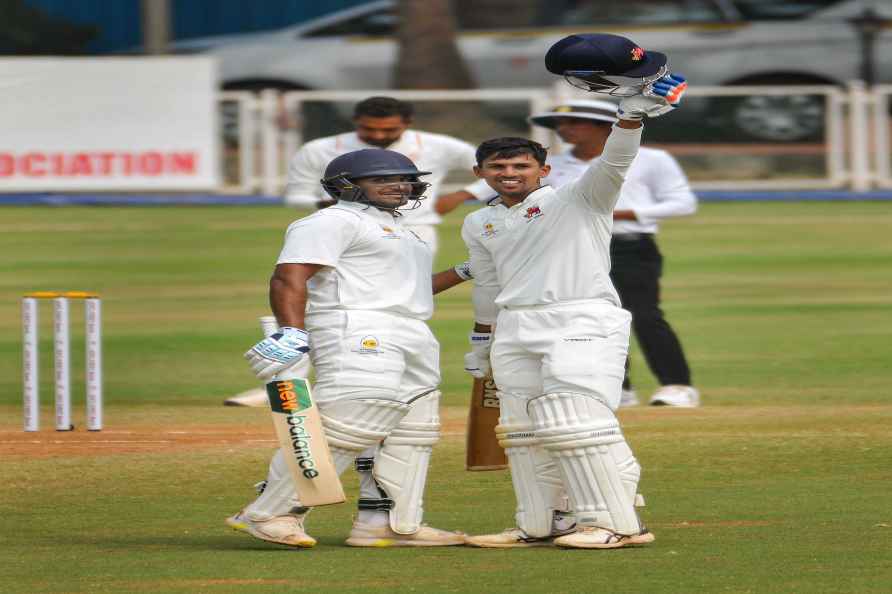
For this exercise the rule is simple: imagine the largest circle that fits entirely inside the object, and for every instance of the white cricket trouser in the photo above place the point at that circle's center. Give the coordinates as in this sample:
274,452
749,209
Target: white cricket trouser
364,354
359,355
577,347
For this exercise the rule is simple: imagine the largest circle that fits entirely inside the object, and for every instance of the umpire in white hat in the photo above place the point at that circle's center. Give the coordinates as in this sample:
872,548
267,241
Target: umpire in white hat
655,188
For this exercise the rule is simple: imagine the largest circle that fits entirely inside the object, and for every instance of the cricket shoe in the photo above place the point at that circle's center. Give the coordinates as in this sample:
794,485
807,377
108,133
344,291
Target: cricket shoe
254,398
676,395
628,398
514,538
592,537
367,535
286,530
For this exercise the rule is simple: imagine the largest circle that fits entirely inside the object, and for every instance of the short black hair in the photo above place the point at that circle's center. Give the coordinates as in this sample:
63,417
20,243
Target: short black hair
511,146
383,107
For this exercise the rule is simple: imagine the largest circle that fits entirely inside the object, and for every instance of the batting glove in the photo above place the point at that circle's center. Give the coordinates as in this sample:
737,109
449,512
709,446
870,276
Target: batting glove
280,351
477,361
658,98
464,270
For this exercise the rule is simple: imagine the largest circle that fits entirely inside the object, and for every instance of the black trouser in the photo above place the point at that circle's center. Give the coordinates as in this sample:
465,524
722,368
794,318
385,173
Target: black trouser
636,269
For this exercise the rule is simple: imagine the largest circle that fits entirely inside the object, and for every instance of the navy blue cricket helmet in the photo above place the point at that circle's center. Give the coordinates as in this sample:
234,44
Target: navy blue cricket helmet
342,171
605,63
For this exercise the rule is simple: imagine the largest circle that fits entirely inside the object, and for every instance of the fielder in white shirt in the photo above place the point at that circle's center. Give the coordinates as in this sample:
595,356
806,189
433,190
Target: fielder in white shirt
353,287
541,266
383,122
655,188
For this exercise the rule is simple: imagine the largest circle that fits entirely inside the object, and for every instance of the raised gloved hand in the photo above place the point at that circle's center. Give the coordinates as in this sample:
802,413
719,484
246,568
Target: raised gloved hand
280,351
658,98
477,361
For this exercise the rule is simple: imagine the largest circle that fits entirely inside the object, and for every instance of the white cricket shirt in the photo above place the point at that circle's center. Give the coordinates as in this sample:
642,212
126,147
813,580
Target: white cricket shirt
655,188
436,153
371,262
554,247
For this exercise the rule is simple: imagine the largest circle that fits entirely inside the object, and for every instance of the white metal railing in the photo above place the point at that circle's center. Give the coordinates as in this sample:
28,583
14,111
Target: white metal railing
882,103
856,143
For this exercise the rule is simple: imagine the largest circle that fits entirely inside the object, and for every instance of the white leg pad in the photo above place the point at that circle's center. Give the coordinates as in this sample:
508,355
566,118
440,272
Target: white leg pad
597,466
278,496
356,424
402,463
351,426
535,476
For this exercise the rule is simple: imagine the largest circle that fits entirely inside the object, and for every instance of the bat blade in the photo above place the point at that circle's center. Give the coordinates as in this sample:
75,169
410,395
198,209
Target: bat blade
483,449
299,430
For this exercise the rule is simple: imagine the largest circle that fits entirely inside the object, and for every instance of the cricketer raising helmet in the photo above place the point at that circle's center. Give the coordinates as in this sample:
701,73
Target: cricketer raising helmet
604,63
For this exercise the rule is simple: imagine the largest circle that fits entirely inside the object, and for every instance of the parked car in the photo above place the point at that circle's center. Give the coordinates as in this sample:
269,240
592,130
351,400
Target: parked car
713,42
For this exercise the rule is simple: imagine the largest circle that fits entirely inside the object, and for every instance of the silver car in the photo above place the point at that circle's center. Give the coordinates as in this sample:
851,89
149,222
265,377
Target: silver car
713,42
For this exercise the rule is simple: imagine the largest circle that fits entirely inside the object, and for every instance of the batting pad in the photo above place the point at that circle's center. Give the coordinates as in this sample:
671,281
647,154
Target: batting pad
278,497
402,463
597,466
536,479
355,424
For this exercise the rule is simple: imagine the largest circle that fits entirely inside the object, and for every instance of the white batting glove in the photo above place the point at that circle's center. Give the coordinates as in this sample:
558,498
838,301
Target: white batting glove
280,351
464,270
477,361
658,98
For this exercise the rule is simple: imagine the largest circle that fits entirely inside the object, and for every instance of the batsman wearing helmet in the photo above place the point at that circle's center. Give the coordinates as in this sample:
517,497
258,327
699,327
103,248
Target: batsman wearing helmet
541,265
352,288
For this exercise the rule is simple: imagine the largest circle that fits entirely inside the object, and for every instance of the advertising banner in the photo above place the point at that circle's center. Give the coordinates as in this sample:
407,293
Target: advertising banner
108,124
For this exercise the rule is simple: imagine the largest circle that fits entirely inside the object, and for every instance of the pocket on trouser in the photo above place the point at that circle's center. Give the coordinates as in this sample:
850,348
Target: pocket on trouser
364,361
422,354
590,360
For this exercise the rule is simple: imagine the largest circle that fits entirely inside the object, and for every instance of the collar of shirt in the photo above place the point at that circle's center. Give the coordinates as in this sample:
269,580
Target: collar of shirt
531,196
368,210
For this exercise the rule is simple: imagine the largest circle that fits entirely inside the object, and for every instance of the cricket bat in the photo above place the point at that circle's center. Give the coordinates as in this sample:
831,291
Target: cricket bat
299,430
483,449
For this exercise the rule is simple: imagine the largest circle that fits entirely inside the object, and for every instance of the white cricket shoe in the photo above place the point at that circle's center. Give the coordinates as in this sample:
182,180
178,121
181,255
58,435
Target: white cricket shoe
676,395
366,535
628,398
513,538
286,530
592,537
255,398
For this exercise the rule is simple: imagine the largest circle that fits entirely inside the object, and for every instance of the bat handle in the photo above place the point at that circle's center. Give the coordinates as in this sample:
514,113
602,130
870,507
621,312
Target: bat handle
269,325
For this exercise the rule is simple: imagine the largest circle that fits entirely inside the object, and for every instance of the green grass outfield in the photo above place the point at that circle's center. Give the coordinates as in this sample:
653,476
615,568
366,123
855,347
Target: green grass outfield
780,483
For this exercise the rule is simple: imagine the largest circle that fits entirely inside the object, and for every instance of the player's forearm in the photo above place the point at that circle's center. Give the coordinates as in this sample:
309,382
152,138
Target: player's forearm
483,328
449,202
445,279
485,309
288,300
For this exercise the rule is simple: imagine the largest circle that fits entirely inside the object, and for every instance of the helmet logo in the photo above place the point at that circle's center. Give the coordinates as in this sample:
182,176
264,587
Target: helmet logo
637,54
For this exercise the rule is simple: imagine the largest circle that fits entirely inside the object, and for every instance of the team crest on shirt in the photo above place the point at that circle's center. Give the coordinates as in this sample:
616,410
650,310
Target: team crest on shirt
533,212
368,345
489,230
389,233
